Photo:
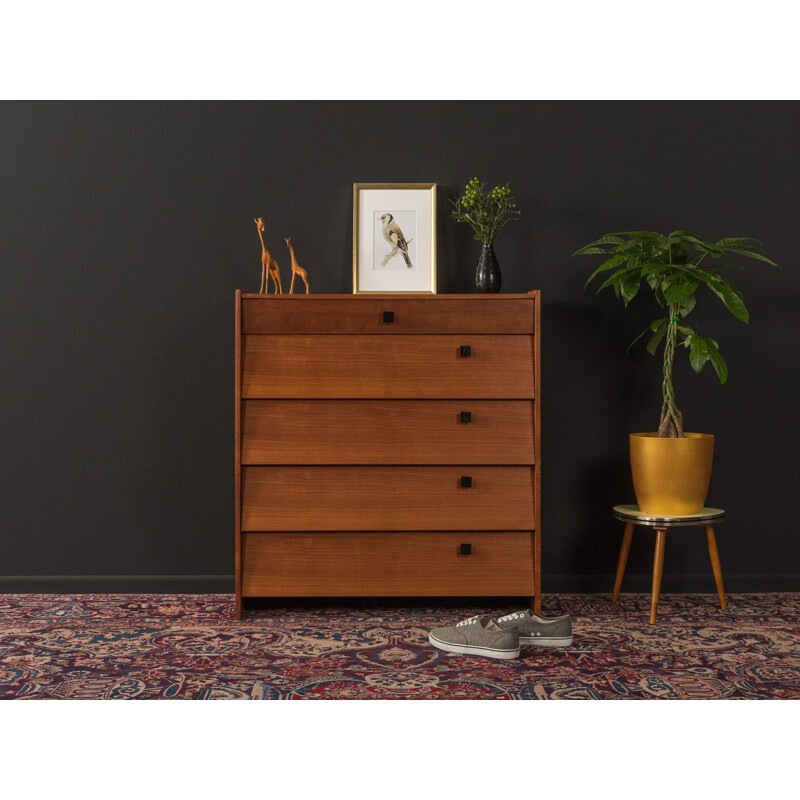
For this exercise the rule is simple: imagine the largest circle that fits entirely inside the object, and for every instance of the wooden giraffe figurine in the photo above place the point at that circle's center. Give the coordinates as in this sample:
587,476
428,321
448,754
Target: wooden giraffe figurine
296,268
269,266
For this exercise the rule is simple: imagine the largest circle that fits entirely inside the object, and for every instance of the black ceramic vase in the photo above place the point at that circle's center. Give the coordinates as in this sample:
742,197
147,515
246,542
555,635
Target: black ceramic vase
487,276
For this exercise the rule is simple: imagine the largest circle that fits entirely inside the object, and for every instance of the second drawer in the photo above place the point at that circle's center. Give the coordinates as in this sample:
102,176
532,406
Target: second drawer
387,498
387,367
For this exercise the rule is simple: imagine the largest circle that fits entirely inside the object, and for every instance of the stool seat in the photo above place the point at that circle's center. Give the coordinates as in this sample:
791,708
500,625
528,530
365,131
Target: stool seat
632,516
631,513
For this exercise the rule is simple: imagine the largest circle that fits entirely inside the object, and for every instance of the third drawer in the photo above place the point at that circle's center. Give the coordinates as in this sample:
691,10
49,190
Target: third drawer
387,498
387,432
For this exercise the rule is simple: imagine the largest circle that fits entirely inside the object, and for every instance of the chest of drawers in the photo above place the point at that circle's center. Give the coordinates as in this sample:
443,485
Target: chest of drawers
387,445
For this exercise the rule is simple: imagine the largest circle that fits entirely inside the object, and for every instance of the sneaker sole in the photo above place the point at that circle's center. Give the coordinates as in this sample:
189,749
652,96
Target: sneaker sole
544,641
472,650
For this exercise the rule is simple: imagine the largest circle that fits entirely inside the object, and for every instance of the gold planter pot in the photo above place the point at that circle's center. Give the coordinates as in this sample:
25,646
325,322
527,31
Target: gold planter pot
671,476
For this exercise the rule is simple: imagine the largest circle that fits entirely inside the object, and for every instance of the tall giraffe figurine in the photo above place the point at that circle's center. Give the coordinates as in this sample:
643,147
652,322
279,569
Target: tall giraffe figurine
269,266
296,268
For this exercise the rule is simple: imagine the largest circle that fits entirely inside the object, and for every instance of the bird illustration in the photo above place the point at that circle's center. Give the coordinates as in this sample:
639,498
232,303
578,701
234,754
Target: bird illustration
393,235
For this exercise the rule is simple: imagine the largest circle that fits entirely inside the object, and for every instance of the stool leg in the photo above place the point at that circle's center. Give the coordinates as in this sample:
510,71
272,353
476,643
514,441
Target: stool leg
715,565
658,566
623,560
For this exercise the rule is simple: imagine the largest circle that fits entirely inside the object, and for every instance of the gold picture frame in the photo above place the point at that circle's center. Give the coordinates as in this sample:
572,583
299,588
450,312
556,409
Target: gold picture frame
394,238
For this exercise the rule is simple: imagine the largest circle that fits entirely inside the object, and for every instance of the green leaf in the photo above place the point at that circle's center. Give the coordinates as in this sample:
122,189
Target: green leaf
609,263
752,254
638,234
629,285
653,283
698,353
696,241
609,239
734,242
588,250
655,268
614,277
675,294
656,338
717,361
724,289
645,331
732,298
686,305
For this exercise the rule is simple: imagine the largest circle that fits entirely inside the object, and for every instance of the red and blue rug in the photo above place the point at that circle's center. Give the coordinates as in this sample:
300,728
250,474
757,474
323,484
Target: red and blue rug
190,647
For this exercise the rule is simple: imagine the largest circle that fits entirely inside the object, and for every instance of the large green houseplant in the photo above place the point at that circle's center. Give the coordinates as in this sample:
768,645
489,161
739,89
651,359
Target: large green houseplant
674,267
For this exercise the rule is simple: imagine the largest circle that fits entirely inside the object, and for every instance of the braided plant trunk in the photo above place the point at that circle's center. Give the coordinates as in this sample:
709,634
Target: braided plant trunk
671,424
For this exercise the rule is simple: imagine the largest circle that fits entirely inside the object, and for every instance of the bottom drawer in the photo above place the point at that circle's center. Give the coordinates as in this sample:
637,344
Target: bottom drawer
501,563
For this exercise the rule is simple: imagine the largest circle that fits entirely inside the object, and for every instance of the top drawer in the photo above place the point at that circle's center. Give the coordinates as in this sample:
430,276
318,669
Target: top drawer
287,314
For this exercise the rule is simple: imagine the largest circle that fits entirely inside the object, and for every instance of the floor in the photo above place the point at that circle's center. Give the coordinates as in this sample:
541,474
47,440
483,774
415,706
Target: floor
190,647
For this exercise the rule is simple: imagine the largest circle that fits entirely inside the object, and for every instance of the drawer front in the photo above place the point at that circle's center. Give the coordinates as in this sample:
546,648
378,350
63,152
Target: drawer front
387,498
395,367
387,432
286,315
387,564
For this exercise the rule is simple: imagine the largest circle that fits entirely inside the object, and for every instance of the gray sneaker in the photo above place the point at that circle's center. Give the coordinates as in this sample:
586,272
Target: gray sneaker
540,631
477,636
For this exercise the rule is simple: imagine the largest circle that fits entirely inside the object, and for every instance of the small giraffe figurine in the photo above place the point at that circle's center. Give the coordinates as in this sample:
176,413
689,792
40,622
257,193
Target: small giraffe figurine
296,268
269,266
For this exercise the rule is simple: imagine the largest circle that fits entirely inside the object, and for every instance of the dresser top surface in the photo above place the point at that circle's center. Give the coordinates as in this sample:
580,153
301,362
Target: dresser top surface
386,296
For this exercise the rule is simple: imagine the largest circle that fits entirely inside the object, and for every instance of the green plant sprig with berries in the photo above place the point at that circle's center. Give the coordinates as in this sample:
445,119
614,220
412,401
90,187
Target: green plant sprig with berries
485,212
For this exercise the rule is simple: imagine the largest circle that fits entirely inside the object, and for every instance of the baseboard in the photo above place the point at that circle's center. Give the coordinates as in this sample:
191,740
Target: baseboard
700,583
122,584
551,584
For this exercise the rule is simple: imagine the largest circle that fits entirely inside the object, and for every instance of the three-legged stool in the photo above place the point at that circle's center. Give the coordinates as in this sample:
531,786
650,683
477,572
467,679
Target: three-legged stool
631,516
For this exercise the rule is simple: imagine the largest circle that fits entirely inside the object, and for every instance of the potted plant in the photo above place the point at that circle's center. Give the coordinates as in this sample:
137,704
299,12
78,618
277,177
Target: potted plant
485,212
671,468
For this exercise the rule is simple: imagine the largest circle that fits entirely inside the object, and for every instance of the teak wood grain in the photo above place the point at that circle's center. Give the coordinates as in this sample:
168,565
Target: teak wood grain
536,312
238,452
398,367
387,564
387,432
350,445
386,498
366,315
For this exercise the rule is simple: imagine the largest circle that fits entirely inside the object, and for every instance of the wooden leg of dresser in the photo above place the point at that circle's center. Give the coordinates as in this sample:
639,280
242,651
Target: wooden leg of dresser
239,606
537,573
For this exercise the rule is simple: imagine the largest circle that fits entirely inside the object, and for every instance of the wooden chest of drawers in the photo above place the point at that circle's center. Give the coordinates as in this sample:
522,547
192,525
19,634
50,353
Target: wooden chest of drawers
387,445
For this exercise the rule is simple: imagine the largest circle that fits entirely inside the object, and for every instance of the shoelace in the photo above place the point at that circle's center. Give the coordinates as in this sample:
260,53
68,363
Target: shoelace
470,621
516,615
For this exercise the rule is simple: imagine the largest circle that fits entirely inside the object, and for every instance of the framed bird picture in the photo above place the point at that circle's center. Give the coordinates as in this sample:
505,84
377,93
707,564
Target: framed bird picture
394,238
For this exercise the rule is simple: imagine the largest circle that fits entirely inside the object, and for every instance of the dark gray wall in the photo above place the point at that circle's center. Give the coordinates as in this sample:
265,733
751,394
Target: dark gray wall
127,227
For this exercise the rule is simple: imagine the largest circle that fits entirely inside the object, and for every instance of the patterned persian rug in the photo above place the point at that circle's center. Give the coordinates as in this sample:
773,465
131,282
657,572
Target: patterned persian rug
190,647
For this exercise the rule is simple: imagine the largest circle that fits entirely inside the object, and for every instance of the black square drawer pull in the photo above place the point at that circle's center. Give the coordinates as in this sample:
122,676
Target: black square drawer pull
466,481
465,351
465,549
466,416
388,316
